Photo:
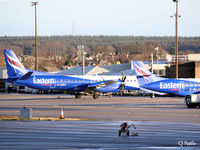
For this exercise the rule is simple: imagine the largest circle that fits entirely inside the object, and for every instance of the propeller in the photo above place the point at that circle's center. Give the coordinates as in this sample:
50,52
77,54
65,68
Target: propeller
123,79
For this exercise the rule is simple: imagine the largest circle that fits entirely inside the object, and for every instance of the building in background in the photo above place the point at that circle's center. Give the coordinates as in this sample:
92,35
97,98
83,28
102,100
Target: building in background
182,58
3,75
186,70
159,67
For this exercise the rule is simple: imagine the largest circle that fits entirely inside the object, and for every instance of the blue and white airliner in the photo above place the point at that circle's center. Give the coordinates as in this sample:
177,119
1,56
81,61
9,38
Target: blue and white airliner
77,85
151,83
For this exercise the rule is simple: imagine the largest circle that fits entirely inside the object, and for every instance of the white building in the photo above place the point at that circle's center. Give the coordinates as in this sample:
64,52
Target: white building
3,75
183,58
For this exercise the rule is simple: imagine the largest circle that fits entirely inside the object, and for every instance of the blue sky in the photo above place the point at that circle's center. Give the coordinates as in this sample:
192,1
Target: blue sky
99,17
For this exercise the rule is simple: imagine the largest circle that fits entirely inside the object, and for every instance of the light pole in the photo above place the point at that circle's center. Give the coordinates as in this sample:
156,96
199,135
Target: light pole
153,95
176,26
157,53
36,51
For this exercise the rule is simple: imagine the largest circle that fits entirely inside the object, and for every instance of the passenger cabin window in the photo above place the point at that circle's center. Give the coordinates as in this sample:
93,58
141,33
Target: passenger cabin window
186,83
195,84
191,84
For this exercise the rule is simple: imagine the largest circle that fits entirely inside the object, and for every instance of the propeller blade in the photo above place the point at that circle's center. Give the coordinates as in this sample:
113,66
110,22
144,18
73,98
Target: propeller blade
124,79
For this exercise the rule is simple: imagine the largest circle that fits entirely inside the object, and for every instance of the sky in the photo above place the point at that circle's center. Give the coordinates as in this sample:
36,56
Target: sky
99,17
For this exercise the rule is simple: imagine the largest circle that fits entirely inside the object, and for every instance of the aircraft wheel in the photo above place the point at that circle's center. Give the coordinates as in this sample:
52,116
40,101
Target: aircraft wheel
95,96
78,96
152,96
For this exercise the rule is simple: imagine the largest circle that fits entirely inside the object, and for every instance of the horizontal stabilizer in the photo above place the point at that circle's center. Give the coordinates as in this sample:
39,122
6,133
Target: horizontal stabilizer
10,79
26,76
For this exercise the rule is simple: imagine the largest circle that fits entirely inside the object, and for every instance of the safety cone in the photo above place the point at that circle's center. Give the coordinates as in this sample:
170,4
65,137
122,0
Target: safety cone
62,114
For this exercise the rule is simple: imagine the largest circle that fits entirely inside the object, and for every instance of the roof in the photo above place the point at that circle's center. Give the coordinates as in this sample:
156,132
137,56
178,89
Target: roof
118,67
94,70
50,68
128,72
76,70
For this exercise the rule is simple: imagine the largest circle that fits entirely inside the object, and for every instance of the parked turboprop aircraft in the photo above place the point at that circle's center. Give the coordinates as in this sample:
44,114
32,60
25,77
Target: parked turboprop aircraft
19,75
151,83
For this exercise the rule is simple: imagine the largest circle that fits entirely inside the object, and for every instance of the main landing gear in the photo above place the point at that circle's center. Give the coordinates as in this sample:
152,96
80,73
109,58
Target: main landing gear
95,96
78,96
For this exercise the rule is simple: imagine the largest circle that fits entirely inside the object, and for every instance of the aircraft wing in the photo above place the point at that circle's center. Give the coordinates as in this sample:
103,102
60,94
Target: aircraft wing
101,84
151,91
106,86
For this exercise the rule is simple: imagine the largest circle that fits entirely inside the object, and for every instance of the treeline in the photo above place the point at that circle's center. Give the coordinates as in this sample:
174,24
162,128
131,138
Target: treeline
27,42
137,47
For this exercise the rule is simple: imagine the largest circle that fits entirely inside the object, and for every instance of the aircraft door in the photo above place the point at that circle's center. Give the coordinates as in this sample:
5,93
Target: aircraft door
182,87
52,83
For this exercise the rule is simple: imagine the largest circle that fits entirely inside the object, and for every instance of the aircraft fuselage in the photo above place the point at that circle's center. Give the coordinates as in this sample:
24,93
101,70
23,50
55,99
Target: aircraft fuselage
180,87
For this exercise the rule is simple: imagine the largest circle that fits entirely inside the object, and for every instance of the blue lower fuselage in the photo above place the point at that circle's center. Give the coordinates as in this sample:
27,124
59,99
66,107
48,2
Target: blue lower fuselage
174,86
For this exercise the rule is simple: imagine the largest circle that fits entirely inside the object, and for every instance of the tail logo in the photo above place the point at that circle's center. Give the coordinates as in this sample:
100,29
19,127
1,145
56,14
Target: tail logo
141,71
13,63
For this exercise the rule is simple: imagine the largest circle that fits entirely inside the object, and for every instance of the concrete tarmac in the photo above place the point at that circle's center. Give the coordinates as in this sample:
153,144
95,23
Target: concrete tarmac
162,123
98,135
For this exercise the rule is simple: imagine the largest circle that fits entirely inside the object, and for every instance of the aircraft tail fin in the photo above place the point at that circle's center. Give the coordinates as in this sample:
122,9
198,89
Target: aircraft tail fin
140,69
15,69
143,75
